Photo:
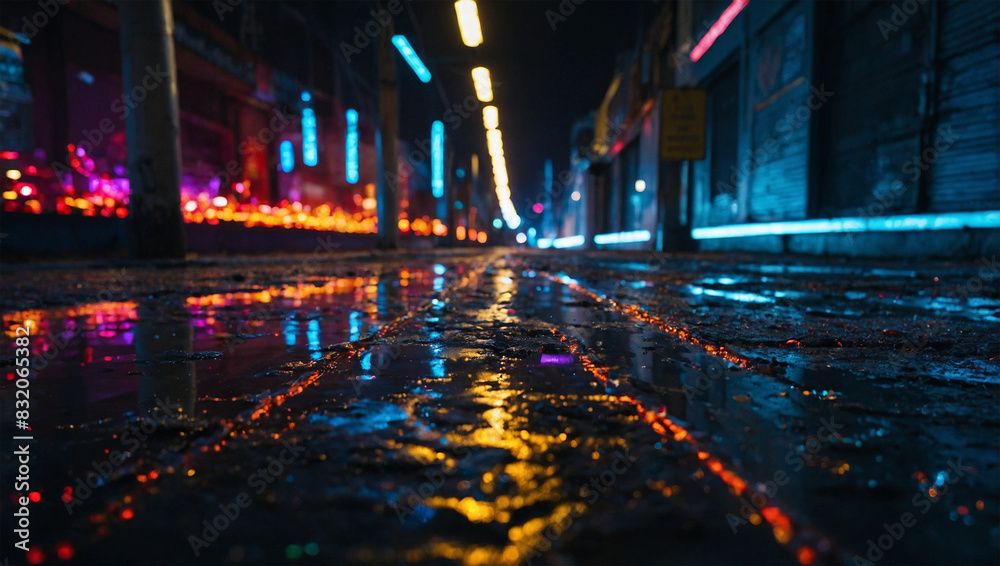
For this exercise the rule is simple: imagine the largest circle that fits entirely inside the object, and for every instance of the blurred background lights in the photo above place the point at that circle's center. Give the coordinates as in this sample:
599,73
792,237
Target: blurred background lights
484,87
287,155
411,58
468,22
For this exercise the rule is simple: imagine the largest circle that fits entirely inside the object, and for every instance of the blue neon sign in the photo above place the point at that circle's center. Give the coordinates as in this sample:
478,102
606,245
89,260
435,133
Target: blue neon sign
437,159
287,155
944,221
412,58
352,146
310,153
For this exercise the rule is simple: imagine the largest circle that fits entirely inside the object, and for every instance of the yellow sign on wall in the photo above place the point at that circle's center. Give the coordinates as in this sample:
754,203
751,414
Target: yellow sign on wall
682,128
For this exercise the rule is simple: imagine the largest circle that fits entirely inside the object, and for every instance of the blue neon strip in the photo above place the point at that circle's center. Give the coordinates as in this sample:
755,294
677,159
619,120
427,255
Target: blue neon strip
437,159
623,237
950,221
310,153
569,242
411,58
287,154
351,146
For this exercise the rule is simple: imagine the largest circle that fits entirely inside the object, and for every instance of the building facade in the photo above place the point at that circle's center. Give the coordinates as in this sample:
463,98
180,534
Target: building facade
856,127
252,130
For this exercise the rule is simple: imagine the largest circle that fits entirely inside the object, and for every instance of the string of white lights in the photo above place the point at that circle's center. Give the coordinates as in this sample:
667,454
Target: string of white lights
472,35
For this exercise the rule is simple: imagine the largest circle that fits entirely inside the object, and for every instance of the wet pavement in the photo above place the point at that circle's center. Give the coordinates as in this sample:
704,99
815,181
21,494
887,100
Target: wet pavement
509,407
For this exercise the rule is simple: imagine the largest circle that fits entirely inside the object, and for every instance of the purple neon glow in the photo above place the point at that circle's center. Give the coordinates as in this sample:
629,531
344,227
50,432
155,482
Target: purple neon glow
556,359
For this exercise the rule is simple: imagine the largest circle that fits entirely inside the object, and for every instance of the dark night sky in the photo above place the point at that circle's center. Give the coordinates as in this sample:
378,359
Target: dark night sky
543,79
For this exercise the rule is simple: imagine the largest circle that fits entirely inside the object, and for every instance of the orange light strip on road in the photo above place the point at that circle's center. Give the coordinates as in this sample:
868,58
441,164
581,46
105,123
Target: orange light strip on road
639,313
781,525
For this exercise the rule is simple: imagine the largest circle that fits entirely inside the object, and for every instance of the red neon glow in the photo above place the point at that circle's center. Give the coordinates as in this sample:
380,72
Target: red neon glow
34,555
717,28
64,551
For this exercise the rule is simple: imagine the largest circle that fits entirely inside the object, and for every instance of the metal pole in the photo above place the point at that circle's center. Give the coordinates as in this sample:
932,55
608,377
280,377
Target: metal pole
451,216
388,178
152,126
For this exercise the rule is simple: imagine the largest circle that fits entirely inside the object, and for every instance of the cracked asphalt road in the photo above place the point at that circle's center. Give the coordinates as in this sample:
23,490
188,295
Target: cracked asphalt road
511,408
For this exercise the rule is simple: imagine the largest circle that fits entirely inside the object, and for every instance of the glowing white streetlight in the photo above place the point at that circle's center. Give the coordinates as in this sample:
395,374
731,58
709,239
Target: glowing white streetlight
468,22
484,87
494,142
491,117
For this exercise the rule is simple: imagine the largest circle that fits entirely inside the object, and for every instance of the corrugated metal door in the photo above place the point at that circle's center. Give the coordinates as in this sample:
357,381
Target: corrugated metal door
782,108
872,124
723,116
961,152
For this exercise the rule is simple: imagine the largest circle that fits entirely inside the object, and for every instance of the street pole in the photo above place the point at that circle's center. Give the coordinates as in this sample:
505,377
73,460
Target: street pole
388,178
149,78
450,198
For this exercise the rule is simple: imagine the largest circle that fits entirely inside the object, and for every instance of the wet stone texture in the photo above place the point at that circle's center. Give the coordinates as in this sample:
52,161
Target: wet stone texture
510,408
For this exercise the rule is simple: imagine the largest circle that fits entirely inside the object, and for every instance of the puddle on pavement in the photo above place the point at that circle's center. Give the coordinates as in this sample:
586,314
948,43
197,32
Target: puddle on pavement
478,422
102,360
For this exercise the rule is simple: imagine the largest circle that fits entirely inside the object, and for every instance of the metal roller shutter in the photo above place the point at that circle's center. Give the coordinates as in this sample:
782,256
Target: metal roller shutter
966,175
872,124
778,163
